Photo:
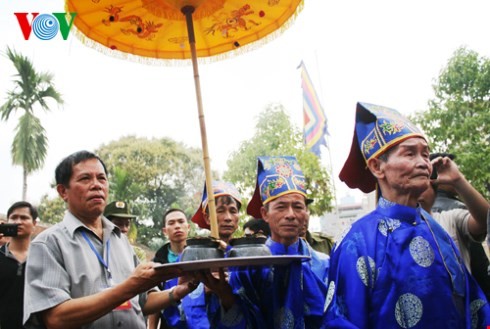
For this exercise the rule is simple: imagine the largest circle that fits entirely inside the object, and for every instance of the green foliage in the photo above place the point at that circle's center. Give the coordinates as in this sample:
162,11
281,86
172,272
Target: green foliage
31,88
51,210
458,118
121,188
275,135
152,176
30,135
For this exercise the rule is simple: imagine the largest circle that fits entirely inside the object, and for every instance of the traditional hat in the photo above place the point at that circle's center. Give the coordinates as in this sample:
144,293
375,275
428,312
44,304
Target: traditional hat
276,176
377,129
118,209
220,188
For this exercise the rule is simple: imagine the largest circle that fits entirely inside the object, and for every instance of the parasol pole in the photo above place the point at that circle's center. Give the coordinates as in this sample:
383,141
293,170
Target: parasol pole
187,11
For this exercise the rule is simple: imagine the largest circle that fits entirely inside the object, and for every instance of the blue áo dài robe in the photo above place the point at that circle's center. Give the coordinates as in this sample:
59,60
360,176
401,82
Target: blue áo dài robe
397,268
291,296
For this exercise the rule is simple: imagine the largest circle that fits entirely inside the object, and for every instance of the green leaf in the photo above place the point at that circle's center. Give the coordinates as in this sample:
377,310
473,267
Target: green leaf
458,118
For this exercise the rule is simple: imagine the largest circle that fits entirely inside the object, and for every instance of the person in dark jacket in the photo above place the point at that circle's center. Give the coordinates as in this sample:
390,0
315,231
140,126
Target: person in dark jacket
175,228
13,257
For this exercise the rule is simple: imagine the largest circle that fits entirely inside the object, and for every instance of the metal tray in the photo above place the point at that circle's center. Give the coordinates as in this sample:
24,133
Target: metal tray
197,265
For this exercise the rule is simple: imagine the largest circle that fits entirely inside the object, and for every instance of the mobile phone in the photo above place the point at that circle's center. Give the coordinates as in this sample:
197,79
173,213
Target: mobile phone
434,173
9,229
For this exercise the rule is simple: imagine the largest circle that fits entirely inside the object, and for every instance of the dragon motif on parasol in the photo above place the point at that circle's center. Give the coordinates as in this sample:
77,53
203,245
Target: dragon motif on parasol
113,14
143,30
233,22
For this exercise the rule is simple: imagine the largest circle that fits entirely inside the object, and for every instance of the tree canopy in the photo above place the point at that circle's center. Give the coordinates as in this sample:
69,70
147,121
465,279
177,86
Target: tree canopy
51,210
458,118
275,135
153,175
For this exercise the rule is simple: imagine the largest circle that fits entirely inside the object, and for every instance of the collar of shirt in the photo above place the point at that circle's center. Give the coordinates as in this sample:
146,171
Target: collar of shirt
280,249
172,257
73,224
397,211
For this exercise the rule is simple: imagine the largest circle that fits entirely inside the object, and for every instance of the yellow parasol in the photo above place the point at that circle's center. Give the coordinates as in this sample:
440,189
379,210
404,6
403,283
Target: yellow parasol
164,29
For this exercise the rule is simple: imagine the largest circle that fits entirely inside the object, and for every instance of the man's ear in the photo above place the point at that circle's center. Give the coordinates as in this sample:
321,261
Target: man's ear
164,230
62,191
376,165
263,212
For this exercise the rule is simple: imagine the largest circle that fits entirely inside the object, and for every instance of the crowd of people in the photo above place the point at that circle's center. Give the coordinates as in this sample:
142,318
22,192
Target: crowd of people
413,262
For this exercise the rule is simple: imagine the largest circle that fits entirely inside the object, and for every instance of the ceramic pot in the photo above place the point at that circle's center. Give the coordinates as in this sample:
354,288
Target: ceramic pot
249,247
201,248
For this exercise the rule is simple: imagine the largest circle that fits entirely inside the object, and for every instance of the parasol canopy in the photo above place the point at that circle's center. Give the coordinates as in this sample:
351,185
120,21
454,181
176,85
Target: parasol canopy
158,29
179,30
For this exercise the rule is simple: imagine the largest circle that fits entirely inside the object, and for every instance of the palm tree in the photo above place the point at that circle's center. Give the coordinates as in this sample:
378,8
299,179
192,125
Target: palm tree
30,144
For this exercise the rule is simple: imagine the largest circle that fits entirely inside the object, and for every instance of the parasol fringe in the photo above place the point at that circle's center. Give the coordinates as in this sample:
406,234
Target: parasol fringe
258,43
127,56
165,62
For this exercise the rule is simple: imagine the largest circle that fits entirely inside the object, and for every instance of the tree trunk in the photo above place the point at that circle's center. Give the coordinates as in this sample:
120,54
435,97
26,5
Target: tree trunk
24,185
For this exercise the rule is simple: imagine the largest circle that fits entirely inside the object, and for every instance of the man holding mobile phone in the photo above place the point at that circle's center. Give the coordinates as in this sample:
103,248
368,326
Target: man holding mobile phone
13,256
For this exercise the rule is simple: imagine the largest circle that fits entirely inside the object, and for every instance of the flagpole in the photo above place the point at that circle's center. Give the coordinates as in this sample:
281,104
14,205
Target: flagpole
332,180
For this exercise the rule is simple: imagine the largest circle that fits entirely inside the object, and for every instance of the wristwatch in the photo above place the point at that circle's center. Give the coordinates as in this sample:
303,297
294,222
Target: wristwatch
172,299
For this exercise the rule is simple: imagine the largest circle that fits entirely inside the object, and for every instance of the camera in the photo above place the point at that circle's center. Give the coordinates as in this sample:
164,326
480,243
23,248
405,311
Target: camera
9,229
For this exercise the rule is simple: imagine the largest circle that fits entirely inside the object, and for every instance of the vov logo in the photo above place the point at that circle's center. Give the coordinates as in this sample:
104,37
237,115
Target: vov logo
45,26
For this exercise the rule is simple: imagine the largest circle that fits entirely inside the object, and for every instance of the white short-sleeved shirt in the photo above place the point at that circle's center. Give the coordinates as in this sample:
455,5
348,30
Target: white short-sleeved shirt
455,222
62,266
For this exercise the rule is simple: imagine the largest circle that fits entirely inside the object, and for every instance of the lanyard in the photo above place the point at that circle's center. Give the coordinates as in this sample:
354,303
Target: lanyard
99,257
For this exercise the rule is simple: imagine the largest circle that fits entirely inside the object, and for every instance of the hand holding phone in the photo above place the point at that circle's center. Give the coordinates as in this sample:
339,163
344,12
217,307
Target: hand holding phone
9,229
434,173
